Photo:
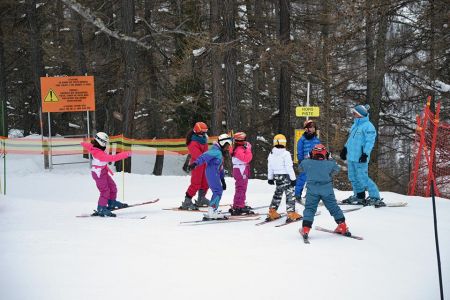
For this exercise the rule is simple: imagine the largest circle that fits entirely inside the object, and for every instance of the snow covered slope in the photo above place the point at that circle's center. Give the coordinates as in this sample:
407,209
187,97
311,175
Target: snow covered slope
47,253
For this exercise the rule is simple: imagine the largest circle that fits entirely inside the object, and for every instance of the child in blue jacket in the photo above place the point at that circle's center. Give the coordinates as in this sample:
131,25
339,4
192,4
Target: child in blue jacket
304,146
320,170
215,173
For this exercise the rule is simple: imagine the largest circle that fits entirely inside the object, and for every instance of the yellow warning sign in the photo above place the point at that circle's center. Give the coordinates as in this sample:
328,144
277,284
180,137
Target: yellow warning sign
51,97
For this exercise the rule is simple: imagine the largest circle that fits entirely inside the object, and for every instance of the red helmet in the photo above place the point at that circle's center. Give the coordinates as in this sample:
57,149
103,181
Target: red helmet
200,127
239,138
309,123
319,152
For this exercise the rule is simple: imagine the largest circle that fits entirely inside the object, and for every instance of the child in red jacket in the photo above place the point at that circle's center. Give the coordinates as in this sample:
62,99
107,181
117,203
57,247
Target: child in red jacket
197,143
105,184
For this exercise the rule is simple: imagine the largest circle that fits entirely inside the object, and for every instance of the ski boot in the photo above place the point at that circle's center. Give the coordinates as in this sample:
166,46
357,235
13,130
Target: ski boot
377,202
359,199
202,201
293,216
272,215
304,231
103,211
239,211
187,204
342,229
114,204
214,214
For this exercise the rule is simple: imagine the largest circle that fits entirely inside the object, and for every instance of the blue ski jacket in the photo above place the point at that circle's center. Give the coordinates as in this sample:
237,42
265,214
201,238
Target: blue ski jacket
361,139
214,165
304,146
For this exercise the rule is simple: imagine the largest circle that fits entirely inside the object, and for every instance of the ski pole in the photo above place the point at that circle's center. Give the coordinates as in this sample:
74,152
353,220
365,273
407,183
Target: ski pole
437,240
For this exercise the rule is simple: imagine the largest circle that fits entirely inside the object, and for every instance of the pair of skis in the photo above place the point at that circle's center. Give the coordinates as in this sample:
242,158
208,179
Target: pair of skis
387,204
349,235
122,217
228,219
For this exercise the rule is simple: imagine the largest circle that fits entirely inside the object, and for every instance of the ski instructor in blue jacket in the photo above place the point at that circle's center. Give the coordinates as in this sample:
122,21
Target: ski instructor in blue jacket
356,151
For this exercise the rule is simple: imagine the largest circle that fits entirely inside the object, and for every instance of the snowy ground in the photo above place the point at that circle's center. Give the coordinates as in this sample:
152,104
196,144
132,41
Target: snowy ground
47,253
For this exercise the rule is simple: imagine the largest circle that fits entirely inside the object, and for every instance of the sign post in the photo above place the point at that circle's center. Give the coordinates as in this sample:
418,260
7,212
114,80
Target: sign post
67,94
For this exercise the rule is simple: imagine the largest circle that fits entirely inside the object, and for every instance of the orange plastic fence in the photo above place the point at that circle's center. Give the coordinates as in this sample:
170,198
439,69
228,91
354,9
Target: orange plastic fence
432,151
67,146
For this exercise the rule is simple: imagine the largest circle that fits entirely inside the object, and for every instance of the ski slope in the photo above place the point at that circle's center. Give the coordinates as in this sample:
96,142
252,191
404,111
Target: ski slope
48,253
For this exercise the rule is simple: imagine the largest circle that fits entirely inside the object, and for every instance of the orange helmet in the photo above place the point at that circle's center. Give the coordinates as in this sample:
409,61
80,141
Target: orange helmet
319,152
200,127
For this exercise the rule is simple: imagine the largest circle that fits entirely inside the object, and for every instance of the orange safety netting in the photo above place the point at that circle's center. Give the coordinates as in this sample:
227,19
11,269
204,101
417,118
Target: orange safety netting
68,146
431,163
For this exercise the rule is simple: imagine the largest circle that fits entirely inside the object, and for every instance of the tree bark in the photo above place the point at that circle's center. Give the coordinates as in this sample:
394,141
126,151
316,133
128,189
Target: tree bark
37,67
3,91
230,59
131,78
216,57
284,88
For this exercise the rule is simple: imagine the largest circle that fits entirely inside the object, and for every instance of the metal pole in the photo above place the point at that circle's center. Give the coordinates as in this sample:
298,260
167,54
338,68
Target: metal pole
307,98
50,142
89,135
437,241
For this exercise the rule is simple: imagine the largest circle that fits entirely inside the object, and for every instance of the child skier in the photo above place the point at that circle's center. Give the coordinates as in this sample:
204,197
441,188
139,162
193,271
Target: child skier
281,172
304,146
99,171
241,155
319,170
197,143
214,173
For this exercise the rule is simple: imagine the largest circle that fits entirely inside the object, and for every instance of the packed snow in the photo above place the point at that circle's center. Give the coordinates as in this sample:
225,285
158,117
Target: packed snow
48,253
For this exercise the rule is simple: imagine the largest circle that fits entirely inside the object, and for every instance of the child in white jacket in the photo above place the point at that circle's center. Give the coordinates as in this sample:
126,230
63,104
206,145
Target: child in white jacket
281,172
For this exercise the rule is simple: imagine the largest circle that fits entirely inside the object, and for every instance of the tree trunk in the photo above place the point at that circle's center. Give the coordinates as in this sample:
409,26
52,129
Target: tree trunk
3,92
216,56
284,88
326,70
230,59
130,82
37,67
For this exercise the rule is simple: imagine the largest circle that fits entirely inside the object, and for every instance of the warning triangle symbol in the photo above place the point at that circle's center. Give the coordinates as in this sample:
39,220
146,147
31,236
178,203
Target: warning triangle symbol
51,97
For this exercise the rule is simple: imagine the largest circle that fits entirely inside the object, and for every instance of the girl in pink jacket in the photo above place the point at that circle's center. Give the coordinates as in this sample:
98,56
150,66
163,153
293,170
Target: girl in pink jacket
241,156
99,171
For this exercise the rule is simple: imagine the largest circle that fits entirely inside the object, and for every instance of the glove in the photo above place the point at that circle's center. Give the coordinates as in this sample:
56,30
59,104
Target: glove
245,145
271,182
224,185
343,154
192,166
363,158
293,182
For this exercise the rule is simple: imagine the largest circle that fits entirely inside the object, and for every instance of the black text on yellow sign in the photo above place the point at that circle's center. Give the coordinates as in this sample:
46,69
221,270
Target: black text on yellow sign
307,111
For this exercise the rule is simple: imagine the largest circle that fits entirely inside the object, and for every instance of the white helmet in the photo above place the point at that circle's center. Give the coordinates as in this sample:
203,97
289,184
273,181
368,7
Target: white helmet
224,139
102,138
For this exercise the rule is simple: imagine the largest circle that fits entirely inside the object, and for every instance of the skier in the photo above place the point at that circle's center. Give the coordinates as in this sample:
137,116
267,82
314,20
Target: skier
99,171
281,172
356,151
214,173
241,155
304,146
197,143
319,170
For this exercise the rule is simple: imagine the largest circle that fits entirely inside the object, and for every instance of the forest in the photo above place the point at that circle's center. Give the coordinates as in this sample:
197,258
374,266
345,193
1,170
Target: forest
241,65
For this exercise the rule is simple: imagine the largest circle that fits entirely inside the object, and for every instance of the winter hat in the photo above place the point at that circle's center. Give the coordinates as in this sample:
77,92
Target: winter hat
361,110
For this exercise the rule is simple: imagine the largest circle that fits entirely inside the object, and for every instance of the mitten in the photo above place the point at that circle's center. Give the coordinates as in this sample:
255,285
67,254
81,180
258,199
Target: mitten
293,182
271,182
193,166
363,158
343,154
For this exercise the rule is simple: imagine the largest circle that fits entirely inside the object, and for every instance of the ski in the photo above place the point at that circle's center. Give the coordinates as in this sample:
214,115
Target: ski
287,223
388,204
216,221
332,231
137,204
116,217
268,220
351,209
